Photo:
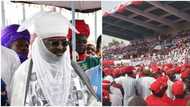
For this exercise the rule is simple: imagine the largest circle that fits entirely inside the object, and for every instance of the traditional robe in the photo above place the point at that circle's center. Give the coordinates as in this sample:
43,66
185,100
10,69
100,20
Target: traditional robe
129,86
19,87
9,63
116,95
143,85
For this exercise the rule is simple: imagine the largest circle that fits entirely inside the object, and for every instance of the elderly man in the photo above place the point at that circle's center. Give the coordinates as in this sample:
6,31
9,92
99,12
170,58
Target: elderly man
17,41
49,77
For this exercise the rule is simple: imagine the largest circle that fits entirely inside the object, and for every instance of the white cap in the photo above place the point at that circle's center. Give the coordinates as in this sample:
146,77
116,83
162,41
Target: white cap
47,24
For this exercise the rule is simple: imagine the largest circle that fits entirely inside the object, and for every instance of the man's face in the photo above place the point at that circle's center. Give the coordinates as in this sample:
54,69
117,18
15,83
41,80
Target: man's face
91,49
56,45
81,44
20,46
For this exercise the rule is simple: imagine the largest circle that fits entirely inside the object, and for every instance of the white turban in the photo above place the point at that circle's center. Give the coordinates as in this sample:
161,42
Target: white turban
47,24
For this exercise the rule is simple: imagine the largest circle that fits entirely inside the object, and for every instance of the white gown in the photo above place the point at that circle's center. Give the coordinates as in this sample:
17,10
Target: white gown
143,86
9,63
116,96
128,84
19,88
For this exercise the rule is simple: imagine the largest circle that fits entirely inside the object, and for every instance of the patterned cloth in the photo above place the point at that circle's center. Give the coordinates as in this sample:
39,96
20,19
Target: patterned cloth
35,97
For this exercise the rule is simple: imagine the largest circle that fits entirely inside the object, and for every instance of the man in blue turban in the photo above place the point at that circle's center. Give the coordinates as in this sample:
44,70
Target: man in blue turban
18,41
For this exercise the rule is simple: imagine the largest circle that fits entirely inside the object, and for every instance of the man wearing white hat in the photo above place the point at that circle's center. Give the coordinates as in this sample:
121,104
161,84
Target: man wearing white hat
50,77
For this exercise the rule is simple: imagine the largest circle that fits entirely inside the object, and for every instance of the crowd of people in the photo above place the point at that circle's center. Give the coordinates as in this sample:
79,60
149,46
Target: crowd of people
154,85
146,47
38,67
154,77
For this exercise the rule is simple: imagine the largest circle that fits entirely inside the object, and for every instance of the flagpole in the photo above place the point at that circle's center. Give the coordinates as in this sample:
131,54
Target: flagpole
73,33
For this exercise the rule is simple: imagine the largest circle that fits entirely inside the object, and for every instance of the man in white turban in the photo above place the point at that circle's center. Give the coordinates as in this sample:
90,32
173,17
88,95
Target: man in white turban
50,77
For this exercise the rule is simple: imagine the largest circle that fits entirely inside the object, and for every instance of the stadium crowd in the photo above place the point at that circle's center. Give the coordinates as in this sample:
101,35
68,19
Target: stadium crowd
147,47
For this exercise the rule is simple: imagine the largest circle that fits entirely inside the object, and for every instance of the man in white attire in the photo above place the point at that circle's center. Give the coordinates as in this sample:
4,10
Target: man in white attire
50,77
129,85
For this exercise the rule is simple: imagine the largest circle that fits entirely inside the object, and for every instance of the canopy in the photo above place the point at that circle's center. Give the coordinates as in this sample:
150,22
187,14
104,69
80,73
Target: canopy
80,6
